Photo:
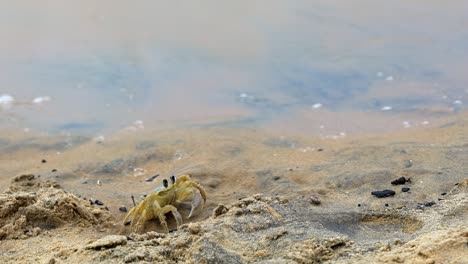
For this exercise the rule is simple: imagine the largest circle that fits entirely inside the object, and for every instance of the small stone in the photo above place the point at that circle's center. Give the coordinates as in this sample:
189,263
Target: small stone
98,202
408,163
383,194
194,228
405,189
399,181
358,205
429,204
320,149
213,183
220,210
315,200
107,242
261,253
54,170
52,261
44,161
444,193
275,178
123,209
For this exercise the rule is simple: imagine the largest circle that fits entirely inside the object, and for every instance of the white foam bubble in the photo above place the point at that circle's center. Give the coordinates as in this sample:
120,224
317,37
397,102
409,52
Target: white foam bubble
6,100
386,108
99,139
406,124
317,105
41,99
389,78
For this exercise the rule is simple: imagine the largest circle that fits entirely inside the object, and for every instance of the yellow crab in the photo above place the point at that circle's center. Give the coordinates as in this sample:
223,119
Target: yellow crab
165,199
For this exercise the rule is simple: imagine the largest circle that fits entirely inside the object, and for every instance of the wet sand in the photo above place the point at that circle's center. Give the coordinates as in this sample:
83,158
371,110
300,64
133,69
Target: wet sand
234,164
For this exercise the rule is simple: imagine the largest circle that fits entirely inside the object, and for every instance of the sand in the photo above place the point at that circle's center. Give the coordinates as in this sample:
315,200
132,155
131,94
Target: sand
270,198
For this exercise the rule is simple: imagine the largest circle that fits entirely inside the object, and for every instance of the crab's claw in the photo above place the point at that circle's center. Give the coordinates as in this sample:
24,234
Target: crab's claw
189,190
196,201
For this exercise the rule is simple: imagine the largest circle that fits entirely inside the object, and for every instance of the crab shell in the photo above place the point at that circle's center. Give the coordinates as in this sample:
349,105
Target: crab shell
165,200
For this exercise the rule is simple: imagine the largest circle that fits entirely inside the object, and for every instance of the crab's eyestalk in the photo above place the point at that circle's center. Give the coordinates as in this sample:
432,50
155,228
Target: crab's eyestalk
165,183
172,179
133,199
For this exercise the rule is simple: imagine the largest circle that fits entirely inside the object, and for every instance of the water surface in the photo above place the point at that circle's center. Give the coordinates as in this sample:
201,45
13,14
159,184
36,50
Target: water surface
322,67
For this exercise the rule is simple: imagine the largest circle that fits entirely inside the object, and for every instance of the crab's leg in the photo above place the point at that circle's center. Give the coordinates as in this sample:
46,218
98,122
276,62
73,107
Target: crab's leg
141,221
129,215
162,220
137,213
170,208
157,211
199,188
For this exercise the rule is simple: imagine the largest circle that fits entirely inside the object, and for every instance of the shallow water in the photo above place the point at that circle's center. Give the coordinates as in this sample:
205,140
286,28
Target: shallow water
326,68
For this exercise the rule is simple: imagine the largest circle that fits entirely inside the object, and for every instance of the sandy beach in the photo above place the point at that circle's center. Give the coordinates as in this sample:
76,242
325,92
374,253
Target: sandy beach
270,198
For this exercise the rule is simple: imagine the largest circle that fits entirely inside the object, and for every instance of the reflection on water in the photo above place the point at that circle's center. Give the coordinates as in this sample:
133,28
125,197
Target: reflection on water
326,67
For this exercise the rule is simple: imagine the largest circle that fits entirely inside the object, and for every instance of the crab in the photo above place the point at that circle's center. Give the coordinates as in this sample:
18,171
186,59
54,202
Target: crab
165,199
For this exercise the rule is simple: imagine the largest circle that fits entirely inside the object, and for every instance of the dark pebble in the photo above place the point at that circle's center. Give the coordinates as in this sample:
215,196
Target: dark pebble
44,161
399,181
275,178
443,193
440,199
150,179
358,205
172,230
429,204
98,202
54,170
128,222
85,182
320,149
386,205
91,202
383,194
123,209
405,189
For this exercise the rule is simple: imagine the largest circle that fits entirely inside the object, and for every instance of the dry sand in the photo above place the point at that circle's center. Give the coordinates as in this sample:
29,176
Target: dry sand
315,203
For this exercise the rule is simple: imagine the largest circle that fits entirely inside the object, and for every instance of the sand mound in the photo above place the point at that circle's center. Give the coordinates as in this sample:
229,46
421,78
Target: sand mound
32,205
253,229
442,246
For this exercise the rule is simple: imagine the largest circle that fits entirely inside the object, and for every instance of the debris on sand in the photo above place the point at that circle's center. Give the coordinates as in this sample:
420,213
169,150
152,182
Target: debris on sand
400,181
383,194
